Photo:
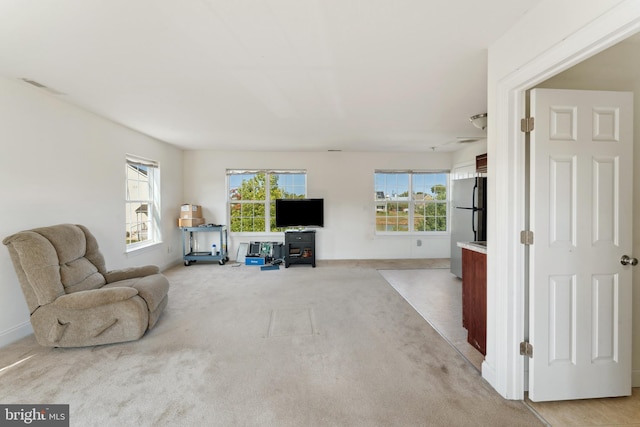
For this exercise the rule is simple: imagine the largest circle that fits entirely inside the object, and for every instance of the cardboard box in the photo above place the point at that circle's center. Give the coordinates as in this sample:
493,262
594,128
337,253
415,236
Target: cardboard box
190,222
254,260
190,211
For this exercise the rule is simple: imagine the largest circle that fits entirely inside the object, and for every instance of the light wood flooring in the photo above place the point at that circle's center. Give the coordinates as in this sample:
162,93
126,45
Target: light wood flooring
437,294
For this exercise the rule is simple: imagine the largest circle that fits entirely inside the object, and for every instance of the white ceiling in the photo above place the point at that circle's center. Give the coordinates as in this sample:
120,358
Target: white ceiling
302,75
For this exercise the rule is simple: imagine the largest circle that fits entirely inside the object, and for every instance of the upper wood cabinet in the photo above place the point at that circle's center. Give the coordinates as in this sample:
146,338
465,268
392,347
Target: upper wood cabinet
481,163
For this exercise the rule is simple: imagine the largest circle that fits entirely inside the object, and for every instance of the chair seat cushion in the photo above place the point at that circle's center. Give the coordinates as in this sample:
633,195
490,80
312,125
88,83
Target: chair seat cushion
151,288
94,298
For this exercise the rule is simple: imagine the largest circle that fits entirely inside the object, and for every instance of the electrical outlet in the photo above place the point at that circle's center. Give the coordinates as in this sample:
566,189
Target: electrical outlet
418,242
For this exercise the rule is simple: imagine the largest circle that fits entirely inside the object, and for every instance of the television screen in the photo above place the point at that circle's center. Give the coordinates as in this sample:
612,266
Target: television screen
299,213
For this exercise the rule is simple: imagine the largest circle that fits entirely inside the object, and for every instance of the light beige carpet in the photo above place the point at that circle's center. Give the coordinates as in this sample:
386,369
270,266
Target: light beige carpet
237,346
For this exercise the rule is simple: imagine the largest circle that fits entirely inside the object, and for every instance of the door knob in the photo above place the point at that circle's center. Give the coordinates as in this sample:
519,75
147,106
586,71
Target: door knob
626,260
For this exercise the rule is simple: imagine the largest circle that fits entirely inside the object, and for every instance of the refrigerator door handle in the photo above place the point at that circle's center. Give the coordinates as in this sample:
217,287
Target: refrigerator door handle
474,210
473,194
473,224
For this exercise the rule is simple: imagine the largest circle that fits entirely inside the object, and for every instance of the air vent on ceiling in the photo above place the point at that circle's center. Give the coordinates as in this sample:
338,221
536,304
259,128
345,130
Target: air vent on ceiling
41,86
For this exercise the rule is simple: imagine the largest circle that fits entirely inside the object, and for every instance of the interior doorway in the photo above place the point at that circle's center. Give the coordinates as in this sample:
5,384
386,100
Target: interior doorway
505,367
614,69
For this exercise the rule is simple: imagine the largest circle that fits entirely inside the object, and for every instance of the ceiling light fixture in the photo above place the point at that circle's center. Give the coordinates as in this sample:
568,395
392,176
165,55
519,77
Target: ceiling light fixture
479,121
464,140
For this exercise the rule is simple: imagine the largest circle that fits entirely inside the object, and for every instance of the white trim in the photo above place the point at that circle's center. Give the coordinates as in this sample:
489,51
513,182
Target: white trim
141,247
133,159
504,368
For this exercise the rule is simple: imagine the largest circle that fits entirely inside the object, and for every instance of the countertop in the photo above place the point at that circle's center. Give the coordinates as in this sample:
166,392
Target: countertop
474,246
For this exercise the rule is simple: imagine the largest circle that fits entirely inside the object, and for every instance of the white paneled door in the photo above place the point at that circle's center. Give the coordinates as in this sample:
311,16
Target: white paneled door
581,215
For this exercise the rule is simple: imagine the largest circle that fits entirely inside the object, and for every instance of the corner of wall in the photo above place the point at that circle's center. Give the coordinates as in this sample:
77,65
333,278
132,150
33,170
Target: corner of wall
635,378
15,333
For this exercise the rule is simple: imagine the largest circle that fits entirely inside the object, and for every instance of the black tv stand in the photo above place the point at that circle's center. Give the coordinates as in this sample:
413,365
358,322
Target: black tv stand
299,247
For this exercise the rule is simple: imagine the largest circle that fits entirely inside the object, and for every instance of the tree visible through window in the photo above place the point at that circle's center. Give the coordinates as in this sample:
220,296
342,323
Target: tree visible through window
142,202
409,201
252,196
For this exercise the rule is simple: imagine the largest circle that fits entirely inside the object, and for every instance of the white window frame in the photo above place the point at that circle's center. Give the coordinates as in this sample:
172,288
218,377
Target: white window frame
150,197
412,203
266,202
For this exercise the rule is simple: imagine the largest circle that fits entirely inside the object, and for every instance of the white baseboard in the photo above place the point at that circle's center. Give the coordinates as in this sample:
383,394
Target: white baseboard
489,374
15,333
170,264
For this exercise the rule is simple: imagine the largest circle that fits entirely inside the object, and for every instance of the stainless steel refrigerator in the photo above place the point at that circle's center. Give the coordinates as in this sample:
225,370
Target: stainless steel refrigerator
468,216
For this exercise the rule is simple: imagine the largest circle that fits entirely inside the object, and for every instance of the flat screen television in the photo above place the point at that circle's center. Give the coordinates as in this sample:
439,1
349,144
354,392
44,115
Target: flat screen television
299,213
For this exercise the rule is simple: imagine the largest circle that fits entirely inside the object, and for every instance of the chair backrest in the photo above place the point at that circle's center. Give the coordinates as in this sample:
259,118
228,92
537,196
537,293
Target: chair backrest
56,260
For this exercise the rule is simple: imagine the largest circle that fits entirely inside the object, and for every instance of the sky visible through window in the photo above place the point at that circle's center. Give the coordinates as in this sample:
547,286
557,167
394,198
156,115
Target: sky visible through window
396,185
292,184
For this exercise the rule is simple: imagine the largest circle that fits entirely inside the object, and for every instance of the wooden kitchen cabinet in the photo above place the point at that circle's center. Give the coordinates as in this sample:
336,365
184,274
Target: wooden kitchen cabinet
474,298
481,163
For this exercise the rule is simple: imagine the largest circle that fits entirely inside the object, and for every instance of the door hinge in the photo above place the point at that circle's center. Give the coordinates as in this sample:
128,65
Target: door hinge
526,349
526,124
526,237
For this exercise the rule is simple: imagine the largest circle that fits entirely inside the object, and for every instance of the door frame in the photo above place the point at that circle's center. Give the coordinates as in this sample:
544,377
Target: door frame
503,367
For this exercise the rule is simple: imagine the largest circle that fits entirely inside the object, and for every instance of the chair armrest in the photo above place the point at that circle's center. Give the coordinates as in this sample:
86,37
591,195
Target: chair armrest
130,273
94,298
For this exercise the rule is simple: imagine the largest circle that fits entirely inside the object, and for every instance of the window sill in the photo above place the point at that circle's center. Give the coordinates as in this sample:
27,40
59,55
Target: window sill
138,249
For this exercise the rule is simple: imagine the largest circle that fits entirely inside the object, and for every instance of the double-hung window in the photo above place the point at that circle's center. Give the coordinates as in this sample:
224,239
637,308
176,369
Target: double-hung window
142,202
411,201
252,197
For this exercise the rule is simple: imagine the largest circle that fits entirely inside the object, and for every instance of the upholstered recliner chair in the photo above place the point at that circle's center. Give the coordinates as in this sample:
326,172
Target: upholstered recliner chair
73,300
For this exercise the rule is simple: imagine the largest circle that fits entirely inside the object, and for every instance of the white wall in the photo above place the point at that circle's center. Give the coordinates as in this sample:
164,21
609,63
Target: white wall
464,160
60,164
344,180
550,38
